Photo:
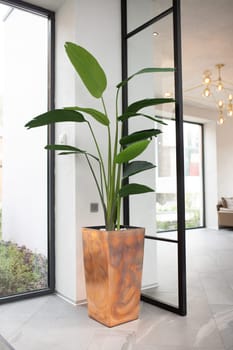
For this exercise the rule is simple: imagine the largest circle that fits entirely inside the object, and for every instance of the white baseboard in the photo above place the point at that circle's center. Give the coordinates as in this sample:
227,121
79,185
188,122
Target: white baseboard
70,301
152,285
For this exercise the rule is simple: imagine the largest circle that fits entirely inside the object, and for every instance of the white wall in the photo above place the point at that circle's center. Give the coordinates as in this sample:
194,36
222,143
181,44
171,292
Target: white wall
99,30
75,190
225,158
24,160
65,181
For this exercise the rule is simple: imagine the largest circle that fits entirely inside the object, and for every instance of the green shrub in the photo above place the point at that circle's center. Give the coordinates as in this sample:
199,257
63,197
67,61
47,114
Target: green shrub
20,269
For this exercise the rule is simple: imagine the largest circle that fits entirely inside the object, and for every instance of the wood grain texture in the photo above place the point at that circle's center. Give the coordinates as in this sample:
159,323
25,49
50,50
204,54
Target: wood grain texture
113,271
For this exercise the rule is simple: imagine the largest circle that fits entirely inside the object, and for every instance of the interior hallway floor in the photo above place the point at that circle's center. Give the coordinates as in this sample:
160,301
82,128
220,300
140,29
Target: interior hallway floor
49,323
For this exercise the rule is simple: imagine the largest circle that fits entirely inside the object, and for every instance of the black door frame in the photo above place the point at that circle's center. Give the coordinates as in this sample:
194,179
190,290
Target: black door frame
181,251
50,15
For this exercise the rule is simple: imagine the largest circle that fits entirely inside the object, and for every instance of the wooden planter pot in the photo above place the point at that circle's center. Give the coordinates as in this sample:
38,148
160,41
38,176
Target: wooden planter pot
113,271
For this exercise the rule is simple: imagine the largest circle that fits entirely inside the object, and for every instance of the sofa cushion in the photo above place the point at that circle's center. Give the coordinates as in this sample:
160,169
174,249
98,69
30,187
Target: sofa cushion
224,202
226,210
227,202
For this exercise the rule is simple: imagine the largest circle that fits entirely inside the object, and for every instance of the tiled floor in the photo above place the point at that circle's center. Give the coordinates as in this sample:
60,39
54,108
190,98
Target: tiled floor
49,323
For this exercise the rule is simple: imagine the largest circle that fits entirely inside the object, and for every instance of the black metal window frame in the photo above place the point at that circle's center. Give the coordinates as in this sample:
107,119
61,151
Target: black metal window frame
180,241
50,15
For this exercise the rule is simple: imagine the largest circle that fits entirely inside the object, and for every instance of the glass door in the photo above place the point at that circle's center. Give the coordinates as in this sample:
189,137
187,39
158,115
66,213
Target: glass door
26,172
151,38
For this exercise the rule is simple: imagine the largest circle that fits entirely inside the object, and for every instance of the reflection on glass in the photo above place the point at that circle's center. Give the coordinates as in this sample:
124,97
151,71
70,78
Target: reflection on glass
160,275
23,163
193,175
166,190
159,53
166,195
139,12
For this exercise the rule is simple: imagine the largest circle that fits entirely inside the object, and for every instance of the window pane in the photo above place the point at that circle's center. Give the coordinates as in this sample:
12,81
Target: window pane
23,240
193,175
166,207
140,11
159,54
166,190
160,272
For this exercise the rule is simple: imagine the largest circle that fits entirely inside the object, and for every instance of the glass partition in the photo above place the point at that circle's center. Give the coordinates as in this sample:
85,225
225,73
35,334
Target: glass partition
151,38
160,272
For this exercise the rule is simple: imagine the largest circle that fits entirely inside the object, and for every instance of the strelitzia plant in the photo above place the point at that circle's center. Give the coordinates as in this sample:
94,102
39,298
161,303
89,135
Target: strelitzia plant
122,150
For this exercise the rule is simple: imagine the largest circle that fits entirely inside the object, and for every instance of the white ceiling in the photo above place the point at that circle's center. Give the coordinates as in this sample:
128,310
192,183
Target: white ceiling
52,5
207,39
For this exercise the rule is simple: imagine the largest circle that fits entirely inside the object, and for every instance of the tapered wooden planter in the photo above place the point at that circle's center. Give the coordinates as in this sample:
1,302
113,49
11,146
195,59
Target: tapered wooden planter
113,271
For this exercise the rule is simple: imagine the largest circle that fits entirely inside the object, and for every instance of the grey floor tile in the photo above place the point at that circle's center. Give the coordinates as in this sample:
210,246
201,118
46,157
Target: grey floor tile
194,285
4,345
228,275
161,328
70,338
223,315
114,340
14,315
224,259
180,333
49,323
217,288
152,347
202,263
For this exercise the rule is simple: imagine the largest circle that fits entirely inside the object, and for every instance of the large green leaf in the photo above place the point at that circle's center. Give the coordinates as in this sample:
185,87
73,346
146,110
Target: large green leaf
87,68
99,116
126,116
132,151
136,106
136,167
69,150
139,135
134,189
145,70
55,116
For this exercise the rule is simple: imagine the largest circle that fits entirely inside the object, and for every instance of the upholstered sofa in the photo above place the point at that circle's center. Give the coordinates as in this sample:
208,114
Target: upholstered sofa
225,212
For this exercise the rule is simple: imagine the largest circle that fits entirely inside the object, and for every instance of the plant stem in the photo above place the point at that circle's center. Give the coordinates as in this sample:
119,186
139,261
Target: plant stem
101,181
117,184
97,185
100,157
109,143
114,189
110,183
118,212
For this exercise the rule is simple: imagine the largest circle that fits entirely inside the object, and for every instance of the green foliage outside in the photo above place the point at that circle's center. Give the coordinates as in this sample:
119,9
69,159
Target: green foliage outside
20,269
192,215
193,222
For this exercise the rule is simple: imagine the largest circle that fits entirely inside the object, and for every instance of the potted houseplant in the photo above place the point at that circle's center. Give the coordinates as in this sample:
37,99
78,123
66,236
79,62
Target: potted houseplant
113,254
